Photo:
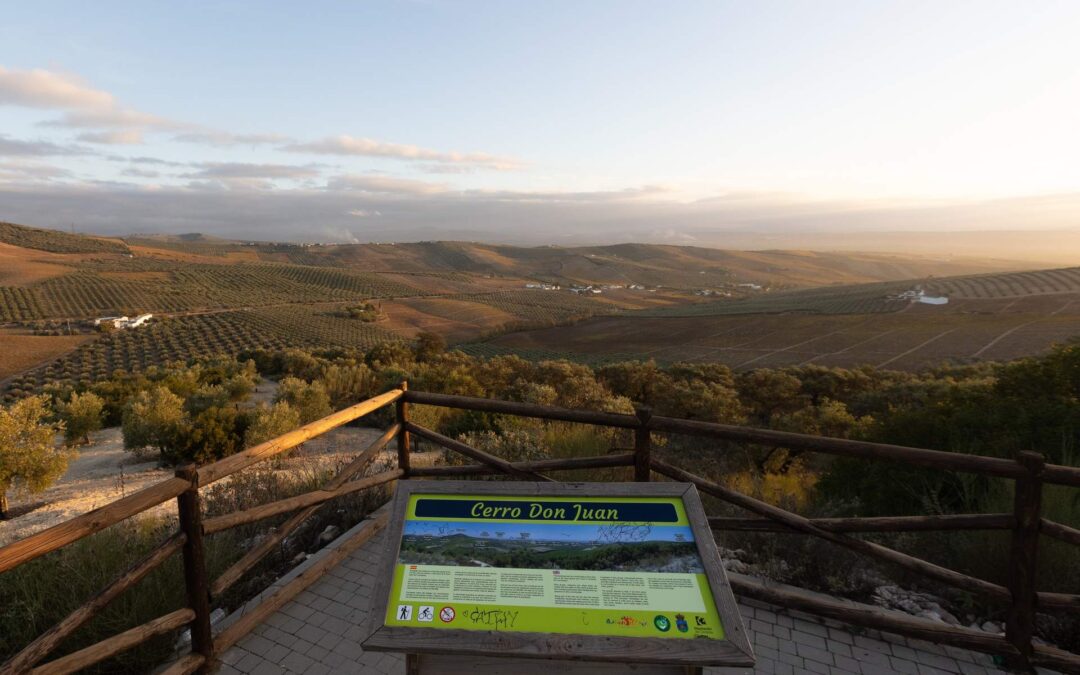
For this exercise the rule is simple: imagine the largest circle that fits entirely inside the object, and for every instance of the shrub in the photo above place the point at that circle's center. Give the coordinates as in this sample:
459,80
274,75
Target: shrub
309,399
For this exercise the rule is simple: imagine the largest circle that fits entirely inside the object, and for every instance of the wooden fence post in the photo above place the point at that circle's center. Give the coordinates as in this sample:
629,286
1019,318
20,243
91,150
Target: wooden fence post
196,580
1023,558
403,441
642,445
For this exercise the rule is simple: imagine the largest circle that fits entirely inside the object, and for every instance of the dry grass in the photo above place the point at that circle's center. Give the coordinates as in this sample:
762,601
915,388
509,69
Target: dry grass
22,267
455,320
22,351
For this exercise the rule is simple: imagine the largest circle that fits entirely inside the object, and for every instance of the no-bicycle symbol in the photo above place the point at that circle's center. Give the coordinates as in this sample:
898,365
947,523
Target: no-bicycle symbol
447,614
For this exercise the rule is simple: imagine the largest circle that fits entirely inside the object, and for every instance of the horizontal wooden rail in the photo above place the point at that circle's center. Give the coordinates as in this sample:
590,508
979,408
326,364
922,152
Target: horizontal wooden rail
601,462
797,522
1066,601
1052,657
1059,531
993,466
262,511
58,536
231,635
989,521
868,616
96,653
50,639
936,459
547,412
241,460
269,543
1062,475
479,455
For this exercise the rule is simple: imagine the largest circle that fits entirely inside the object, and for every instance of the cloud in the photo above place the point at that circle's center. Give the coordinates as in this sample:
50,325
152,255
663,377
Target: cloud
119,137
105,121
11,146
21,171
115,118
140,173
625,194
229,170
46,89
383,185
83,106
155,161
366,147
226,139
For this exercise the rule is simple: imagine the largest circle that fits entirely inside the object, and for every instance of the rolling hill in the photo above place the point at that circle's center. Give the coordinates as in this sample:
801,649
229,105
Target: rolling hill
210,295
988,317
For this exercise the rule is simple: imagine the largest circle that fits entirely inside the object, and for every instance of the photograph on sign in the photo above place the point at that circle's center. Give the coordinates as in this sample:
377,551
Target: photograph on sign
604,566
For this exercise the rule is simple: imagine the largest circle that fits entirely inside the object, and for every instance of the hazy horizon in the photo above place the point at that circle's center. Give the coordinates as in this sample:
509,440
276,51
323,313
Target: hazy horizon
785,125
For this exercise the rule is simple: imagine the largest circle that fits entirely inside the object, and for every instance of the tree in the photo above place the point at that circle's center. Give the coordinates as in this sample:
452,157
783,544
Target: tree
429,345
154,419
309,399
82,414
270,422
29,458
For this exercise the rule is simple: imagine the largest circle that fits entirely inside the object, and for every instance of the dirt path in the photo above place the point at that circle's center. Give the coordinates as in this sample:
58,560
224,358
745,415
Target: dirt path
915,348
102,472
1012,330
848,348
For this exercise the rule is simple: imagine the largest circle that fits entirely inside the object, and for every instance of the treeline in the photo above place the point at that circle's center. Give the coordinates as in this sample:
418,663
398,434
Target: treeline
193,412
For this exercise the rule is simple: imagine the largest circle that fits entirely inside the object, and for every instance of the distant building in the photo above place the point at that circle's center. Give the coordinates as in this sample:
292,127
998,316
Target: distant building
752,287
919,295
137,321
123,321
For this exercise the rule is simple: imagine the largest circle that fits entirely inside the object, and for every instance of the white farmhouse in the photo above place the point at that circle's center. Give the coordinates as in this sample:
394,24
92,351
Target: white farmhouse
138,321
114,320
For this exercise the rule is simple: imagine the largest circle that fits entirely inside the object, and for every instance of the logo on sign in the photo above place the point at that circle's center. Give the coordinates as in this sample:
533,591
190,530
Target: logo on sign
662,623
404,613
426,613
681,624
447,614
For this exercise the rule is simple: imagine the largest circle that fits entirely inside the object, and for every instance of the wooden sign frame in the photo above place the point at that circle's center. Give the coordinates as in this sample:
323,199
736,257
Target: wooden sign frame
733,650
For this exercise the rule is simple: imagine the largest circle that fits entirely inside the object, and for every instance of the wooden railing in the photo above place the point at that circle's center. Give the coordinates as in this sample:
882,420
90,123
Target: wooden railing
1019,596
189,540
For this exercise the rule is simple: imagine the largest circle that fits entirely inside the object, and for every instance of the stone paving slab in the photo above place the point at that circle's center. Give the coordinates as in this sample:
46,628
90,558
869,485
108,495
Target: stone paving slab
319,632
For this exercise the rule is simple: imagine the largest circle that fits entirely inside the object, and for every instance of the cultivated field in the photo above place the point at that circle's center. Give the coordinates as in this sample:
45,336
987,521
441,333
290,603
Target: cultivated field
917,336
214,296
20,350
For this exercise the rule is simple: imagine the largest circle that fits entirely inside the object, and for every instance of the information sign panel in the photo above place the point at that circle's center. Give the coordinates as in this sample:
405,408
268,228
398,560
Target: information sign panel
602,565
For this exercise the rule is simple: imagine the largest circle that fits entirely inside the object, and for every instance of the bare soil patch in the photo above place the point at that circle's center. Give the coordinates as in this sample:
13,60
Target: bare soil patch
455,320
23,267
21,351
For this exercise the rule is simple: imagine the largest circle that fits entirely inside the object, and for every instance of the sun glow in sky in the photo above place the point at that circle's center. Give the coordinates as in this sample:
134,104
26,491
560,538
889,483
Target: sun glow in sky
351,119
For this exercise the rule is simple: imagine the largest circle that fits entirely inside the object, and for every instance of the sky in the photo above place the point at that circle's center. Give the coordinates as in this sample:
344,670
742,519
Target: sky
539,122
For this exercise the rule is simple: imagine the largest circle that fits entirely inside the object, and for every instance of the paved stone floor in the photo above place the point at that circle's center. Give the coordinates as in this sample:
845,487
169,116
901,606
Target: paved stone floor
320,632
